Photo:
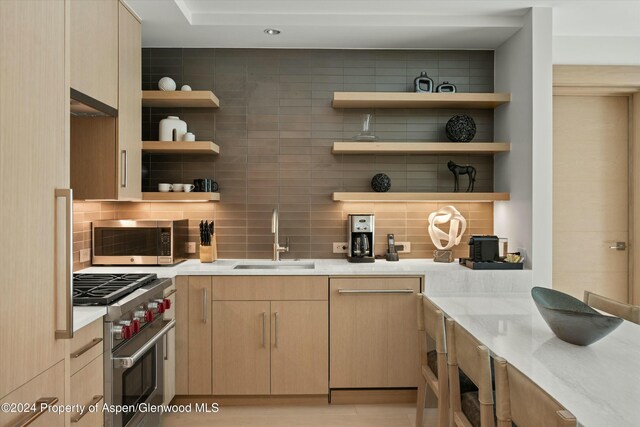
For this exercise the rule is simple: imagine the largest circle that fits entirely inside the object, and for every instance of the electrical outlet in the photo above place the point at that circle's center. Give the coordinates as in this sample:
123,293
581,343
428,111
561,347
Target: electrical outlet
406,247
190,247
85,255
339,247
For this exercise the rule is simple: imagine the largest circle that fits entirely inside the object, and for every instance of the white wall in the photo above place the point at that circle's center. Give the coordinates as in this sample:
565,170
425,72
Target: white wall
523,67
596,50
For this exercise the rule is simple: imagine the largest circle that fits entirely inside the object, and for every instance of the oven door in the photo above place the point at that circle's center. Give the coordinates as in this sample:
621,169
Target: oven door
138,376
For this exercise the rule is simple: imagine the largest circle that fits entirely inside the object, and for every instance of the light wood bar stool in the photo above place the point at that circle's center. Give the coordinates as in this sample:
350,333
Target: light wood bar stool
473,409
626,311
521,402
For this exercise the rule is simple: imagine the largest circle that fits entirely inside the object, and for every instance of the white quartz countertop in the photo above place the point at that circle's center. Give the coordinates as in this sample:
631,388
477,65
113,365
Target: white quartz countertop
83,316
440,277
599,384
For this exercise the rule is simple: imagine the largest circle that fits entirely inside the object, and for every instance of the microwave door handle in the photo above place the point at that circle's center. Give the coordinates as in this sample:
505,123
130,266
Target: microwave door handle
129,361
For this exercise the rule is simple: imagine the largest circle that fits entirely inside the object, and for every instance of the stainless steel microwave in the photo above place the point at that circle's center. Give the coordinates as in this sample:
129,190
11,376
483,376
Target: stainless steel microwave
144,242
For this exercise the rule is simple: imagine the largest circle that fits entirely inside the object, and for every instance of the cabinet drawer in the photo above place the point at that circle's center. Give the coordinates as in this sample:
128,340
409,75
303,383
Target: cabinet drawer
261,288
49,384
87,388
170,294
86,345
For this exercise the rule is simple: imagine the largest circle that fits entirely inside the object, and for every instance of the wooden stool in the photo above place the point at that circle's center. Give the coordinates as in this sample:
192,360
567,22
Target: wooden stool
519,400
625,311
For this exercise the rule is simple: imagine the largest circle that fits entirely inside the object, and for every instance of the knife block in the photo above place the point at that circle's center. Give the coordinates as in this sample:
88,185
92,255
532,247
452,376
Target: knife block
206,253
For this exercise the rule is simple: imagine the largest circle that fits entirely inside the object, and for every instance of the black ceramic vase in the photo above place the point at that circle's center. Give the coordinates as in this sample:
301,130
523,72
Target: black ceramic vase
461,128
381,183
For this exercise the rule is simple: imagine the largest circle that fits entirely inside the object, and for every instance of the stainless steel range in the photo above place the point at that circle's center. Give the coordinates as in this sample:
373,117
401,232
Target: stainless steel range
133,341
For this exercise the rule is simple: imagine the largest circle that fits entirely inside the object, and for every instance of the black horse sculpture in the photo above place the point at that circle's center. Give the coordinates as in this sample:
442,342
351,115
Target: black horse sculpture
458,170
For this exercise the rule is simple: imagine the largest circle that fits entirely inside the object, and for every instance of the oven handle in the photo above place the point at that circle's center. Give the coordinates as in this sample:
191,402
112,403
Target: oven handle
127,362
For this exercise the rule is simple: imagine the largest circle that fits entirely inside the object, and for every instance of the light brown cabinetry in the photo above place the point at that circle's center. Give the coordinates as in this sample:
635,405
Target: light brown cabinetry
33,157
170,348
106,152
199,323
182,335
129,106
43,387
86,345
87,387
241,343
299,351
373,332
94,49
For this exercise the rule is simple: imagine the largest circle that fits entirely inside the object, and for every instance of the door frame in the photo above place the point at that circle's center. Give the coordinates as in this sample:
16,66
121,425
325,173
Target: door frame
613,80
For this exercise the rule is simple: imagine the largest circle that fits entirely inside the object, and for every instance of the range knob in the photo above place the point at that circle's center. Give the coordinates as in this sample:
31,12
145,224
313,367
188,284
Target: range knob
135,325
148,316
121,332
167,303
139,315
157,305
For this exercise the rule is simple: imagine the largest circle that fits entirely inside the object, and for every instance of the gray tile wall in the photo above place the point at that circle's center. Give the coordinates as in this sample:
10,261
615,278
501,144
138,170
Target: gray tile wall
276,126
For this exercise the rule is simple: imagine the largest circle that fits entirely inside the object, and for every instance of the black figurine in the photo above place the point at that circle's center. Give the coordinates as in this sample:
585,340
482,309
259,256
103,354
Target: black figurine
458,170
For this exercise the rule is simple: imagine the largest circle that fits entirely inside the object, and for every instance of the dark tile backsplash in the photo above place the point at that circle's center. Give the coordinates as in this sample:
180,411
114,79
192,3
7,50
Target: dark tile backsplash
276,126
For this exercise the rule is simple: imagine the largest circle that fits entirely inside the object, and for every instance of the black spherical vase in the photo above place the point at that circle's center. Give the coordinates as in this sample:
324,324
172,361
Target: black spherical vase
381,183
460,128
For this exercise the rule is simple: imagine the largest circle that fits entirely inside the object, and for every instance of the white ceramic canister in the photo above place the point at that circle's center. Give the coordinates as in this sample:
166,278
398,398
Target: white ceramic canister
168,125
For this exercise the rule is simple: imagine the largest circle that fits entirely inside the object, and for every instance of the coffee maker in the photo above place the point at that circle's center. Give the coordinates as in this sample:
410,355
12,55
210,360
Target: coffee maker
360,236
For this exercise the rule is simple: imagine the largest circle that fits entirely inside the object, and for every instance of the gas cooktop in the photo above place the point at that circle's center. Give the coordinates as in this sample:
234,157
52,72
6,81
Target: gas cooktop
104,289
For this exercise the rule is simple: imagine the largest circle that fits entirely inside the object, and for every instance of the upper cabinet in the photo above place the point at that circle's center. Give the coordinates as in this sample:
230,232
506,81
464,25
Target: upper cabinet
129,106
106,150
94,49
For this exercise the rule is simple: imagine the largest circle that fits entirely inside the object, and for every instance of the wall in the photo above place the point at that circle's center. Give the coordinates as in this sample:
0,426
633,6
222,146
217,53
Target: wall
523,67
275,129
596,50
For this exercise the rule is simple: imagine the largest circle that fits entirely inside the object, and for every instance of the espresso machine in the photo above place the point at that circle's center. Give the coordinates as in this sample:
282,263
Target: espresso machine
361,238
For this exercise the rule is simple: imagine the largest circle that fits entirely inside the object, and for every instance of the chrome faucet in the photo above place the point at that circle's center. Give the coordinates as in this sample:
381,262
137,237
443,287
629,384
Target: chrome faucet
277,249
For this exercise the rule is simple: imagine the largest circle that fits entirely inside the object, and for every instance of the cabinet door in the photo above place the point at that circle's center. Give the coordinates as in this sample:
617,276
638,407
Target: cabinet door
170,349
241,347
87,388
374,339
94,49
49,384
34,145
129,107
199,335
182,335
300,347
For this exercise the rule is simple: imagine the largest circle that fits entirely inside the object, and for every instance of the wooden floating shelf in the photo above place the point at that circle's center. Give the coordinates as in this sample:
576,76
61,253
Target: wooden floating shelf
419,100
383,147
418,197
186,147
180,197
179,98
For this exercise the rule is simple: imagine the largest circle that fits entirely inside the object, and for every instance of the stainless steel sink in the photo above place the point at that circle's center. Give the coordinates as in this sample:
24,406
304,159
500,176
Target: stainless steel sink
278,266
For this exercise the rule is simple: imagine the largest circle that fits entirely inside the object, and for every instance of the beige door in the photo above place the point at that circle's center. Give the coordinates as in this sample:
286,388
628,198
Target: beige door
241,347
374,337
299,347
34,162
199,358
591,195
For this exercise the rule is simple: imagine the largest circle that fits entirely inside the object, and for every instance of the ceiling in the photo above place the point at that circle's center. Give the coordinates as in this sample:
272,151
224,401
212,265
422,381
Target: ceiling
371,24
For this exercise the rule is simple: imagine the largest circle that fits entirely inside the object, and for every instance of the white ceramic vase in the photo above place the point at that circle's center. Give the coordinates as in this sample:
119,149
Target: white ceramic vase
171,124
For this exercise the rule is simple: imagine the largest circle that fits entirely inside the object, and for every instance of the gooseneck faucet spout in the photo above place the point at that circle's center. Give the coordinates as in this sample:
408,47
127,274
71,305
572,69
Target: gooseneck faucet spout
277,249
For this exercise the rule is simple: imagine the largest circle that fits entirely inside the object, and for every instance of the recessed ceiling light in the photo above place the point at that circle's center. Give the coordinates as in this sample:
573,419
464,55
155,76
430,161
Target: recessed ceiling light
272,31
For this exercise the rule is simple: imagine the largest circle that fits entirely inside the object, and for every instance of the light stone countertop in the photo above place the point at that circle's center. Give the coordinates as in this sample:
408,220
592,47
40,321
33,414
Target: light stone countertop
599,384
440,278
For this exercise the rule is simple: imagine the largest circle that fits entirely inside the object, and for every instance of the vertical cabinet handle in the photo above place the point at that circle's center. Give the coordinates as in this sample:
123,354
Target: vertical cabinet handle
166,346
125,166
277,316
41,405
67,194
264,328
204,305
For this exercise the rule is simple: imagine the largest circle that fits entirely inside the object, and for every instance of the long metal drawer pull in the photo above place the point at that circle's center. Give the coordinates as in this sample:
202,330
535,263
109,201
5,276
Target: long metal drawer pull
204,305
94,401
67,193
94,342
127,362
124,173
173,291
375,291
30,417
264,328
277,315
